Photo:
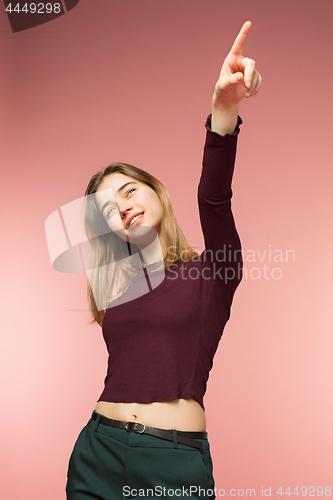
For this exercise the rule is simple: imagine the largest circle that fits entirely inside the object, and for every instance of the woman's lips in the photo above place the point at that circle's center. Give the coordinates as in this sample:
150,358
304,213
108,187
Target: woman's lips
137,222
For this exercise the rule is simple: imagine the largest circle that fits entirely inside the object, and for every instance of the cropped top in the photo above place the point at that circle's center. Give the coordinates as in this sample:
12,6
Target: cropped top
161,345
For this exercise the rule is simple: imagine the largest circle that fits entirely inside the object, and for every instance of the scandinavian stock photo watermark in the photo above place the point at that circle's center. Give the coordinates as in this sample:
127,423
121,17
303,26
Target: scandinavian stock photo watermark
227,264
25,16
205,493
133,262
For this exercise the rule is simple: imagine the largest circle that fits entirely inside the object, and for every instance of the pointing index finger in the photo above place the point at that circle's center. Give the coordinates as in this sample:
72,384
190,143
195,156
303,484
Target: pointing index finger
239,42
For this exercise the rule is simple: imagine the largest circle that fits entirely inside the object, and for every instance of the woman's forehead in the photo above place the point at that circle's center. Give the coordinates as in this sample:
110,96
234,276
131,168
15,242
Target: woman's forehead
115,180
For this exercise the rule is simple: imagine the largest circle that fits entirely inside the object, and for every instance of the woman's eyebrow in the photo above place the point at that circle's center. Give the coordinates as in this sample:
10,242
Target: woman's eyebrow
119,190
124,185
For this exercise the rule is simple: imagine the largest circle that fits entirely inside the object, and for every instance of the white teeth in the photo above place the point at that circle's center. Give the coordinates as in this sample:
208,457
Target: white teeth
134,219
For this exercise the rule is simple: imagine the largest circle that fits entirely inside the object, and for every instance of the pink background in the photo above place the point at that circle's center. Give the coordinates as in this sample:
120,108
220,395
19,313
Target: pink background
133,81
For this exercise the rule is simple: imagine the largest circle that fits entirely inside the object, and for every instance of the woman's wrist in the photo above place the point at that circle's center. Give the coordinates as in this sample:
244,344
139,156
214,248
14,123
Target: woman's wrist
224,117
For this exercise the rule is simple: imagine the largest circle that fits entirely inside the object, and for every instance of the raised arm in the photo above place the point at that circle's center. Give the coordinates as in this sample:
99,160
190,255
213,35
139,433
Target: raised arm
222,244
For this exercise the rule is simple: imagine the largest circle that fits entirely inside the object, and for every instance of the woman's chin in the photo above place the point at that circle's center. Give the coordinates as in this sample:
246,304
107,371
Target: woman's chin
143,235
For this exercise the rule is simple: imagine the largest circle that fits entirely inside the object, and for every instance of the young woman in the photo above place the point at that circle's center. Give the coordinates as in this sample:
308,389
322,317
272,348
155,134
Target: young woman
162,308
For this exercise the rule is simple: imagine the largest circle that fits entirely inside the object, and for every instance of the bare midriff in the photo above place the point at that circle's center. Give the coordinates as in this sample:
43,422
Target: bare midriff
181,414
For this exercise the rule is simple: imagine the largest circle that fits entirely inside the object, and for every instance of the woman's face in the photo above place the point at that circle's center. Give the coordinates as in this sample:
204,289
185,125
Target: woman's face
119,197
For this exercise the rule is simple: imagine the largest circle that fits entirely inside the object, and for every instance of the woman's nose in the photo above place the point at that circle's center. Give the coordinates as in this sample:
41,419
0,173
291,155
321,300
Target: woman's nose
124,211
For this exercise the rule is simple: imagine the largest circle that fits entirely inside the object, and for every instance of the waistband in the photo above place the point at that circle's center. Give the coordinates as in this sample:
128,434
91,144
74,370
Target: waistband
184,437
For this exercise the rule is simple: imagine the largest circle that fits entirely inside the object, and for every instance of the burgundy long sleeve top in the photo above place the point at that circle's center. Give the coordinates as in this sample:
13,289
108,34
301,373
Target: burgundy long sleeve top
161,345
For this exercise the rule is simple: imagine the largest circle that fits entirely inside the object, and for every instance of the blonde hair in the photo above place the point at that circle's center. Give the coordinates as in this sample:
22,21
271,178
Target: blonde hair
110,268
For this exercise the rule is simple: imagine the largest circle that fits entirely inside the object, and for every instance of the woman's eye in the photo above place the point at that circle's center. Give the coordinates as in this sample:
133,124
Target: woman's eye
108,212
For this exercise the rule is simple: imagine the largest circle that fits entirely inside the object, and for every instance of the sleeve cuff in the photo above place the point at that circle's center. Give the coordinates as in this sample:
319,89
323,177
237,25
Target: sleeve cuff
208,125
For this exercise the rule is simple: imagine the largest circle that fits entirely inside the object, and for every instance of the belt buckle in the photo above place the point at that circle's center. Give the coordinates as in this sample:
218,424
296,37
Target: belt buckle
135,424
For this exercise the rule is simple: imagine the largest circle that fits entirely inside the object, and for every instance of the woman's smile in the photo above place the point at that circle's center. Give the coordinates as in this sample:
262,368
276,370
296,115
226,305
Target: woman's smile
138,219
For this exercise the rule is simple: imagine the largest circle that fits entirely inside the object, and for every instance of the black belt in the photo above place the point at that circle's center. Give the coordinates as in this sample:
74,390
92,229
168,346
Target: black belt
182,436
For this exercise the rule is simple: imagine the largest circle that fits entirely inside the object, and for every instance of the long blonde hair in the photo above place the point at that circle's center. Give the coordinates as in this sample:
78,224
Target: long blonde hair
110,269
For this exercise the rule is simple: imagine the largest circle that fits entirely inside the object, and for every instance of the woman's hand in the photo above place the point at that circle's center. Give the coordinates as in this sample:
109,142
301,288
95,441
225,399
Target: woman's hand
238,79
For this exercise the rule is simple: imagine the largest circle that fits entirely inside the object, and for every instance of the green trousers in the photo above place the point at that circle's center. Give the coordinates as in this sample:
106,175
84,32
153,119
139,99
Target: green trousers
108,463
